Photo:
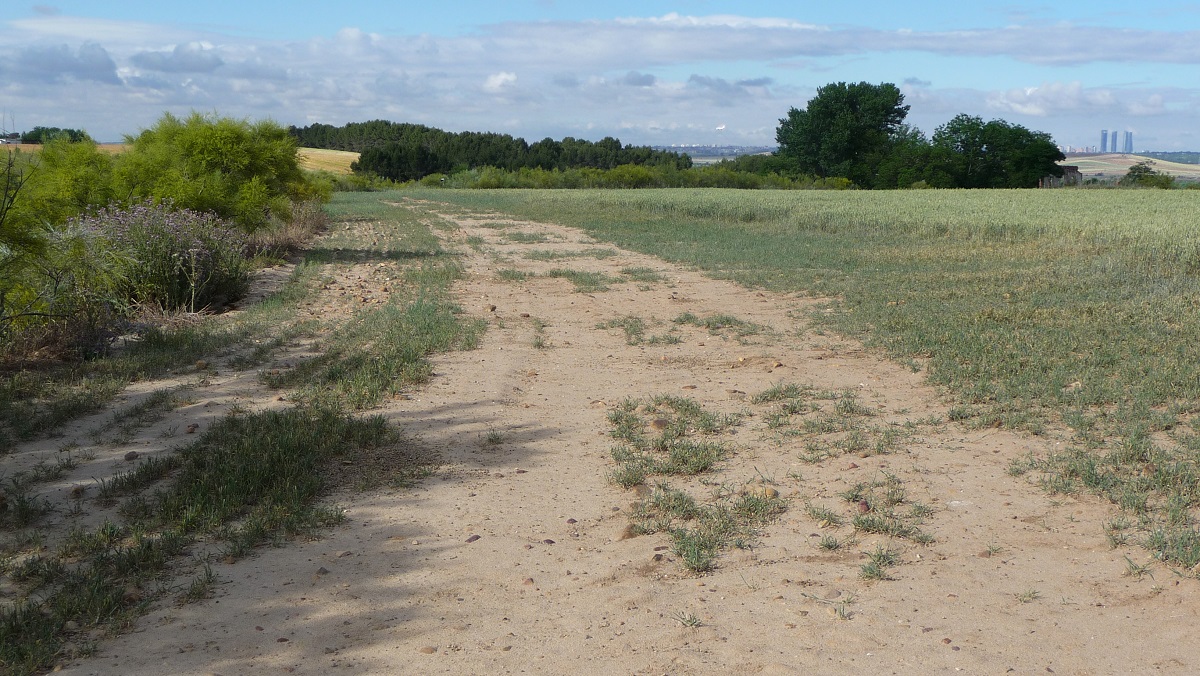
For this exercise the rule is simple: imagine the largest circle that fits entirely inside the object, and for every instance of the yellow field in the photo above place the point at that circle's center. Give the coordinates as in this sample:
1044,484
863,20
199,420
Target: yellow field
336,161
1114,164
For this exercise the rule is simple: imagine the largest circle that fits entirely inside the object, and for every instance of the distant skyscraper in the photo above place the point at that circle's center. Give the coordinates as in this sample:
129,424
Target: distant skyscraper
1114,140
1129,143
1103,140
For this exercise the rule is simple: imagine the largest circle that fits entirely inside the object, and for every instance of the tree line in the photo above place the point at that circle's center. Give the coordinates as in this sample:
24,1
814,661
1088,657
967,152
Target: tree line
408,152
857,131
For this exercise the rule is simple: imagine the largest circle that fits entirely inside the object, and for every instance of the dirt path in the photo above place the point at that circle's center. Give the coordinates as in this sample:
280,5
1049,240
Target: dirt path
515,557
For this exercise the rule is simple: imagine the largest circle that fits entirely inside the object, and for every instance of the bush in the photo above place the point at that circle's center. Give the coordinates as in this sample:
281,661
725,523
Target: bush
179,259
242,171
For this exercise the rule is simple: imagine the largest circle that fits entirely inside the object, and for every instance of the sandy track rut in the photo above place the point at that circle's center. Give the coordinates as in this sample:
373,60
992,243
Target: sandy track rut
1015,579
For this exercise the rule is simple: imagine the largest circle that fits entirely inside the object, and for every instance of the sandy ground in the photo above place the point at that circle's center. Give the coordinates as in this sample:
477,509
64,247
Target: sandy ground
514,556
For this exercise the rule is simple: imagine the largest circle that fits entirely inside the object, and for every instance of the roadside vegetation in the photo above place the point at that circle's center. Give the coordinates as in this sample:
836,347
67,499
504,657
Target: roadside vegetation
1036,310
97,293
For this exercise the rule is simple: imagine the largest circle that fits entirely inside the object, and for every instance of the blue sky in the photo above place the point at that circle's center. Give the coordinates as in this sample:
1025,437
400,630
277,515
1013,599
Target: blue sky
649,72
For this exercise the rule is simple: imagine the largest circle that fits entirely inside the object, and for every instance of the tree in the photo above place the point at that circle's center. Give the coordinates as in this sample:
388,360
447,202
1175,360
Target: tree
47,134
907,161
236,169
844,130
1142,175
995,154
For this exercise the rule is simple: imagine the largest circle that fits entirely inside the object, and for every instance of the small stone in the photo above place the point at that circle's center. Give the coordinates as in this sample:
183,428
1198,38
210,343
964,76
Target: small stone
946,641
473,538
528,546
863,506
491,308
201,365
852,465
547,541
427,649
572,521
281,640
132,595
322,571
524,315
661,548
191,429
520,471
132,455
659,424
342,555
528,581
506,648
71,625
689,387
258,629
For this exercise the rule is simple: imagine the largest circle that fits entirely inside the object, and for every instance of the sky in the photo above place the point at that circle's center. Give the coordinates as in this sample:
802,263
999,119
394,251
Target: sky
647,72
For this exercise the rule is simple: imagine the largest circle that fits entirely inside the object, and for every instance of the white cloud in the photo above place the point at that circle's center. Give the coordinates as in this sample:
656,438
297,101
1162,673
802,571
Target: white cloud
1054,98
585,78
497,83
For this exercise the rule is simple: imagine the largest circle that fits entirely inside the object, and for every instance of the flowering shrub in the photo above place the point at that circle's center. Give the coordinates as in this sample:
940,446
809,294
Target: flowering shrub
179,259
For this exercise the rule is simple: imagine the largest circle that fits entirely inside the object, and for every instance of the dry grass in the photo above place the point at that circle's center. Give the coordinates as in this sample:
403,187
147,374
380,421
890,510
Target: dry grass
336,161
1113,164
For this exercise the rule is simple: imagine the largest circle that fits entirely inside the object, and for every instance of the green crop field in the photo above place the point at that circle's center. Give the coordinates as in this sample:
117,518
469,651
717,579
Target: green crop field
1058,310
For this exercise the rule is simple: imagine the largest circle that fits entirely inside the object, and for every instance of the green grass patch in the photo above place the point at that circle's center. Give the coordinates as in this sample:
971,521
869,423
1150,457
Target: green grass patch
551,255
585,282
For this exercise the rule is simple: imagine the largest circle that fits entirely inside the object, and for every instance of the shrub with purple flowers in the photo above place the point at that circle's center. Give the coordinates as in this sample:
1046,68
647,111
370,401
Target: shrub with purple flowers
180,259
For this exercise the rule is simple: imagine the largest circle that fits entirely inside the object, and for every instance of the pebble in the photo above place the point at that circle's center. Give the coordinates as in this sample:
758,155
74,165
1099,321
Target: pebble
547,541
427,649
473,538
132,455
528,581
572,521
322,571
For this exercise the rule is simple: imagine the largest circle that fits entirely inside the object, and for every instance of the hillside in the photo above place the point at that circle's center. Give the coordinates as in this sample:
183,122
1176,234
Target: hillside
1115,164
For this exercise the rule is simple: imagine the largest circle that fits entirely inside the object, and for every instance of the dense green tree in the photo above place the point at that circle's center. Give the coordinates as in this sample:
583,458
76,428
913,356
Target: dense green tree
995,154
844,130
404,152
47,134
906,161
236,169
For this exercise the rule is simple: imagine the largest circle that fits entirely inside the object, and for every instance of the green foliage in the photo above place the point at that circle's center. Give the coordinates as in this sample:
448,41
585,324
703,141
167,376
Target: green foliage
69,178
995,154
410,152
1142,175
843,131
857,132
242,171
47,134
